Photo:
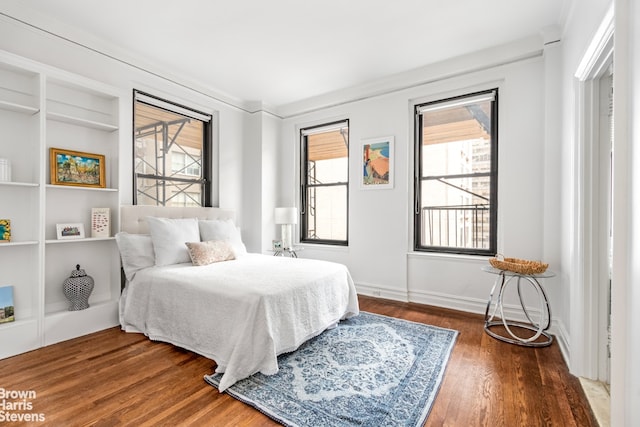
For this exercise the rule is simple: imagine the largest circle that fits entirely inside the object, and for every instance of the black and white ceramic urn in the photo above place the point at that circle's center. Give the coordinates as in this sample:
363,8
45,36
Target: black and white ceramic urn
77,288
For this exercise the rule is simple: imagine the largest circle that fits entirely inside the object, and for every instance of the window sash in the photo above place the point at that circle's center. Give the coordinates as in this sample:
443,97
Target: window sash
306,185
478,210
165,176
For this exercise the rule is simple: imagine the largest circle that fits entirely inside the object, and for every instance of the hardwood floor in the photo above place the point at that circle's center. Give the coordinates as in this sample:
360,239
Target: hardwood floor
112,378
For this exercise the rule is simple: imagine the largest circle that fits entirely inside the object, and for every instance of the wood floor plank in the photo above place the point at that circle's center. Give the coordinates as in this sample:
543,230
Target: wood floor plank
111,378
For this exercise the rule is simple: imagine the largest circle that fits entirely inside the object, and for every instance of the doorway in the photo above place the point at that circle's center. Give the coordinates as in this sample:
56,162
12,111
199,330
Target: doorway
603,204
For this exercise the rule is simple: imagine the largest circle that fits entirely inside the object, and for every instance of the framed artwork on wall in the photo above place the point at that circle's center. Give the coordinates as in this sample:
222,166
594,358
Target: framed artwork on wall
377,163
77,168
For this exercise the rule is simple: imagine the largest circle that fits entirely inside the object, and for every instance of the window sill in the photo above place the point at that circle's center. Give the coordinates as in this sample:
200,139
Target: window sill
480,259
323,247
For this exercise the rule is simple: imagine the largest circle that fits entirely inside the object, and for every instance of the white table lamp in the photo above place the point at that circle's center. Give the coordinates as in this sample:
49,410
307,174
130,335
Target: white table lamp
286,217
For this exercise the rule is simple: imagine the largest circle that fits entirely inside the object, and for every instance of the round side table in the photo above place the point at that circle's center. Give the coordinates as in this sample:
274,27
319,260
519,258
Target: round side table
540,328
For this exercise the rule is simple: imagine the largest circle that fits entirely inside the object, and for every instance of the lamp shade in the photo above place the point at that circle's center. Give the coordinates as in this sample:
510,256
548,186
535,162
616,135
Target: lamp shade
286,215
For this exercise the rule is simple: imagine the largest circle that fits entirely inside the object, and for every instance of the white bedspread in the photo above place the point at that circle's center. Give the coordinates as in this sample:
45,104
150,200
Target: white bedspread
241,313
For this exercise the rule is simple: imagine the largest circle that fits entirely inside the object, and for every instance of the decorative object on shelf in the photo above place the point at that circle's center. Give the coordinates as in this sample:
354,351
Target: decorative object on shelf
6,304
70,231
100,222
377,163
5,170
286,217
5,230
276,245
520,266
77,168
77,288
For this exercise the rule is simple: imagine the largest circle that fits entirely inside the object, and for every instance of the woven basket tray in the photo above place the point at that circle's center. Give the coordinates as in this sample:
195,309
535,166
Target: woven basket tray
521,266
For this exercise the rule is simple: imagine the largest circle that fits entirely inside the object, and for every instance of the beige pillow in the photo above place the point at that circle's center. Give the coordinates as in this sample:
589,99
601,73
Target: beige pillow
204,253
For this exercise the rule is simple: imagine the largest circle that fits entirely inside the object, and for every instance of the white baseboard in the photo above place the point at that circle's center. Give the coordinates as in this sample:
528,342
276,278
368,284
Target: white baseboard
562,336
381,292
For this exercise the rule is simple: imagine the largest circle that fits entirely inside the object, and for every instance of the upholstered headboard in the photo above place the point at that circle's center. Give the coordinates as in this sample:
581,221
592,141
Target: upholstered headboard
132,218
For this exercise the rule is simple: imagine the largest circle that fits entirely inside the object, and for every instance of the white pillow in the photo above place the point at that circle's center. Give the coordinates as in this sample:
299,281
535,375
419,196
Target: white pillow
222,230
169,236
136,252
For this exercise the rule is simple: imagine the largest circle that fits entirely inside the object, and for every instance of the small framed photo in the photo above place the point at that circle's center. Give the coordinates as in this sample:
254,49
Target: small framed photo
377,163
5,230
77,168
70,231
276,245
7,313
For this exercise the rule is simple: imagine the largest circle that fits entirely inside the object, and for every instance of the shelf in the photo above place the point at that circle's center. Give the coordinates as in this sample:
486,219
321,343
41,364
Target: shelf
19,336
81,122
58,311
18,184
17,323
85,240
24,243
81,188
63,325
19,108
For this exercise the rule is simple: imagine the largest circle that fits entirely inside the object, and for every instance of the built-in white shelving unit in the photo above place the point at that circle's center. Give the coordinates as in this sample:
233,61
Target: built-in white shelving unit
41,108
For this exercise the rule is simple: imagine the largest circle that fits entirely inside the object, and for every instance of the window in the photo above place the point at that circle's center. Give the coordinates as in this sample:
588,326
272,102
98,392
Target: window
172,154
325,183
456,174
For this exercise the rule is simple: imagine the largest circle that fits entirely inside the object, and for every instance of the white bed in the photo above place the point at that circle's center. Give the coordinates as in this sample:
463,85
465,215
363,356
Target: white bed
241,313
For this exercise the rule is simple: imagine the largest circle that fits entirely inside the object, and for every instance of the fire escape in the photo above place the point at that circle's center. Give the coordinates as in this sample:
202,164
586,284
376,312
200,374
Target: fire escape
163,183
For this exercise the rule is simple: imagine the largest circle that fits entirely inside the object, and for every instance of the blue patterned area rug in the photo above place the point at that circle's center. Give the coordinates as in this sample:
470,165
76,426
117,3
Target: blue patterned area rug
370,370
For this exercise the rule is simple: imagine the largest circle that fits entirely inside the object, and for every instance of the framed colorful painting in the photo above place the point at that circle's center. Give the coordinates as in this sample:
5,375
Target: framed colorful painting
77,168
5,230
377,163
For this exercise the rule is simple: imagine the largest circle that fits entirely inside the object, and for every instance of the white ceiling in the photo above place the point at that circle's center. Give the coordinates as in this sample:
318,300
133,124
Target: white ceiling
282,51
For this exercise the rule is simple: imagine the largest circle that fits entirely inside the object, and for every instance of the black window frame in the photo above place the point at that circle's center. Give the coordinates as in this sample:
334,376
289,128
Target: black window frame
207,150
304,185
493,174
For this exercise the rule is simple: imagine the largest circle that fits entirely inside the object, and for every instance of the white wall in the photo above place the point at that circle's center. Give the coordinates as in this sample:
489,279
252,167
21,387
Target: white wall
379,254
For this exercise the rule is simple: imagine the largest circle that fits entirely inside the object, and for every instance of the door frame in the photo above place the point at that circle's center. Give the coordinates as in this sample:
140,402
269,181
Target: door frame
586,295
